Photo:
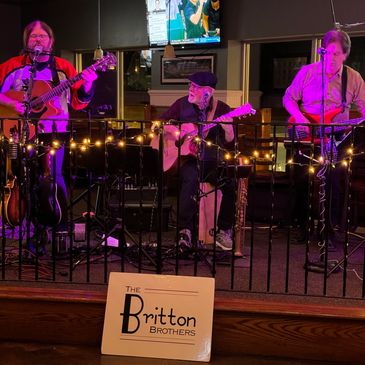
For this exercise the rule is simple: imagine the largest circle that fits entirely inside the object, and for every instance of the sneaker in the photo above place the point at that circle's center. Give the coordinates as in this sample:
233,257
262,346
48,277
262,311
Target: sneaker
224,240
185,239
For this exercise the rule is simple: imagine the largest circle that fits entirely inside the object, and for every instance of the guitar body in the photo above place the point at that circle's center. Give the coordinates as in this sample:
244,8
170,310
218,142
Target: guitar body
315,119
170,150
43,111
50,212
12,214
49,195
188,132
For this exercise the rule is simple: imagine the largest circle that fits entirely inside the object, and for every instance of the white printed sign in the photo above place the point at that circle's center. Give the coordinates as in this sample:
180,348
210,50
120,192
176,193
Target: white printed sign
161,316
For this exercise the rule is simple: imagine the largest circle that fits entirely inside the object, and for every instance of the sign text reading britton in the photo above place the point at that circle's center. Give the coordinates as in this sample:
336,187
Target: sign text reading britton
164,321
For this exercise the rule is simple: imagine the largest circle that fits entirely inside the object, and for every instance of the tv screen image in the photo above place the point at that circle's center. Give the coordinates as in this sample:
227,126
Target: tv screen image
183,22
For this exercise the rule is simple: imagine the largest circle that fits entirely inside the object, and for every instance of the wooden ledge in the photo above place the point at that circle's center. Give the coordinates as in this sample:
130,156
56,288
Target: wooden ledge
221,303
240,326
288,309
53,294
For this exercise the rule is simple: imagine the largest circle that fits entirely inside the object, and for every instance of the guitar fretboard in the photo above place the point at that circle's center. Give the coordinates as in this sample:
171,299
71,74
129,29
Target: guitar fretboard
58,90
107,60
239,112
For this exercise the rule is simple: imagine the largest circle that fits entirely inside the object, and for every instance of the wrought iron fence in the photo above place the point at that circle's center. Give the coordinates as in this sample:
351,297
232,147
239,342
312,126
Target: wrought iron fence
121,211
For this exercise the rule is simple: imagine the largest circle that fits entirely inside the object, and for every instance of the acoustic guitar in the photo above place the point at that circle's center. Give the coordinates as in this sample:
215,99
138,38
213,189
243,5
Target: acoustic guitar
13,211
49,211
188,132
42,95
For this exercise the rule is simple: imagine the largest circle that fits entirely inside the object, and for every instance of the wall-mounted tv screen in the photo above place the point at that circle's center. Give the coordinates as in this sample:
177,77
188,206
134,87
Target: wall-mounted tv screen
183,22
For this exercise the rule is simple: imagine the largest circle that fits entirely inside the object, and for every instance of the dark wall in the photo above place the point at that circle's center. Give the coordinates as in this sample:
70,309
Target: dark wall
123,23
75,22
268,19
10,31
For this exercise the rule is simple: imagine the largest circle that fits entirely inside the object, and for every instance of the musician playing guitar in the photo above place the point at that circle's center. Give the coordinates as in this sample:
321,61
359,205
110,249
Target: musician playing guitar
343,87
200,105
49,71
14,75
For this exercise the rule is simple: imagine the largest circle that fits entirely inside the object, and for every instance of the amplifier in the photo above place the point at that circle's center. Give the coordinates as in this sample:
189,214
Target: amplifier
141,217
145,194
136,194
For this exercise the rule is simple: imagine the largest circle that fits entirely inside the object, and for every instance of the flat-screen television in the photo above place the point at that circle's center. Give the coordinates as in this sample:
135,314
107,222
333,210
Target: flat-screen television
183,22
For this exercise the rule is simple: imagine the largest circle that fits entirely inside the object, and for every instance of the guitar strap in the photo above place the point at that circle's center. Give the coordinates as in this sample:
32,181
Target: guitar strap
211,113
206,115
52,65
344,87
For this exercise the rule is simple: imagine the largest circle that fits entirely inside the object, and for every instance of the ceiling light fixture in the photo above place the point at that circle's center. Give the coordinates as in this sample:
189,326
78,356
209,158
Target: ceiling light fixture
98,53
169,51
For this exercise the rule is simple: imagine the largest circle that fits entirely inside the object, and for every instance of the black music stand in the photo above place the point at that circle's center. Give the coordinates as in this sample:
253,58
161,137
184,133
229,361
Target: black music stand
121,165
358,141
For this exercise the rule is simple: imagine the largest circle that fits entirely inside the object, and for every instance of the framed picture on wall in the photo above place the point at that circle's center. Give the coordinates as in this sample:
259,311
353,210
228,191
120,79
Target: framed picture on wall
177,70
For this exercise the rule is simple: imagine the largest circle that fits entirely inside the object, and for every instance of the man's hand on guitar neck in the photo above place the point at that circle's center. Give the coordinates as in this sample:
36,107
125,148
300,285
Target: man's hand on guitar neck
89,76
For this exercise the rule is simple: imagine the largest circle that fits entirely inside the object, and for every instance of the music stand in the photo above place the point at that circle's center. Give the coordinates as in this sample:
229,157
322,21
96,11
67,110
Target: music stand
358,141
122,164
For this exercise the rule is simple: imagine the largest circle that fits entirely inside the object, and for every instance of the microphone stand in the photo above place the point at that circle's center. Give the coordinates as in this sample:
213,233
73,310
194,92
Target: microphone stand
321,266
203,115
25,165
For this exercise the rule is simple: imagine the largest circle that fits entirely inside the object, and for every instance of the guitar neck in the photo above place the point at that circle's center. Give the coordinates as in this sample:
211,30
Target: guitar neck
341,128
56,91
59,89
208,126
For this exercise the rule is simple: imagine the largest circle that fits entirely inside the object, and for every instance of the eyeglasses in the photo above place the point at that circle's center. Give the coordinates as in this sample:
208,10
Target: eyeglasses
40,36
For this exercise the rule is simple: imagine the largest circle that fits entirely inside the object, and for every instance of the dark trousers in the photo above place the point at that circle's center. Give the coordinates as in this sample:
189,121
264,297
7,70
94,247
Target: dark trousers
335,180
189,185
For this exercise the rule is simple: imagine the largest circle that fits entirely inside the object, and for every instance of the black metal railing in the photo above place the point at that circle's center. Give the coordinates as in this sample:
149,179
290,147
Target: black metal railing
121,212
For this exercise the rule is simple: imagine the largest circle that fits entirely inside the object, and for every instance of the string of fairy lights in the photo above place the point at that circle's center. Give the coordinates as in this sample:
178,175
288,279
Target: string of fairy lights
144,139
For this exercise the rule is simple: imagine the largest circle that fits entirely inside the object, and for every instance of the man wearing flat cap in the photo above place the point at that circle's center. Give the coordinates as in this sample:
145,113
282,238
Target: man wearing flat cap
200,106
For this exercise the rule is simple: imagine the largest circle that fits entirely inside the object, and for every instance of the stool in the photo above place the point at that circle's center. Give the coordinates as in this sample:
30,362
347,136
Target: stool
206,212
206,217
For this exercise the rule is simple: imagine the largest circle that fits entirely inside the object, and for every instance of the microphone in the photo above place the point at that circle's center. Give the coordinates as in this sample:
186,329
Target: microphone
13,143
204,101
37,50
322,51
12,148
